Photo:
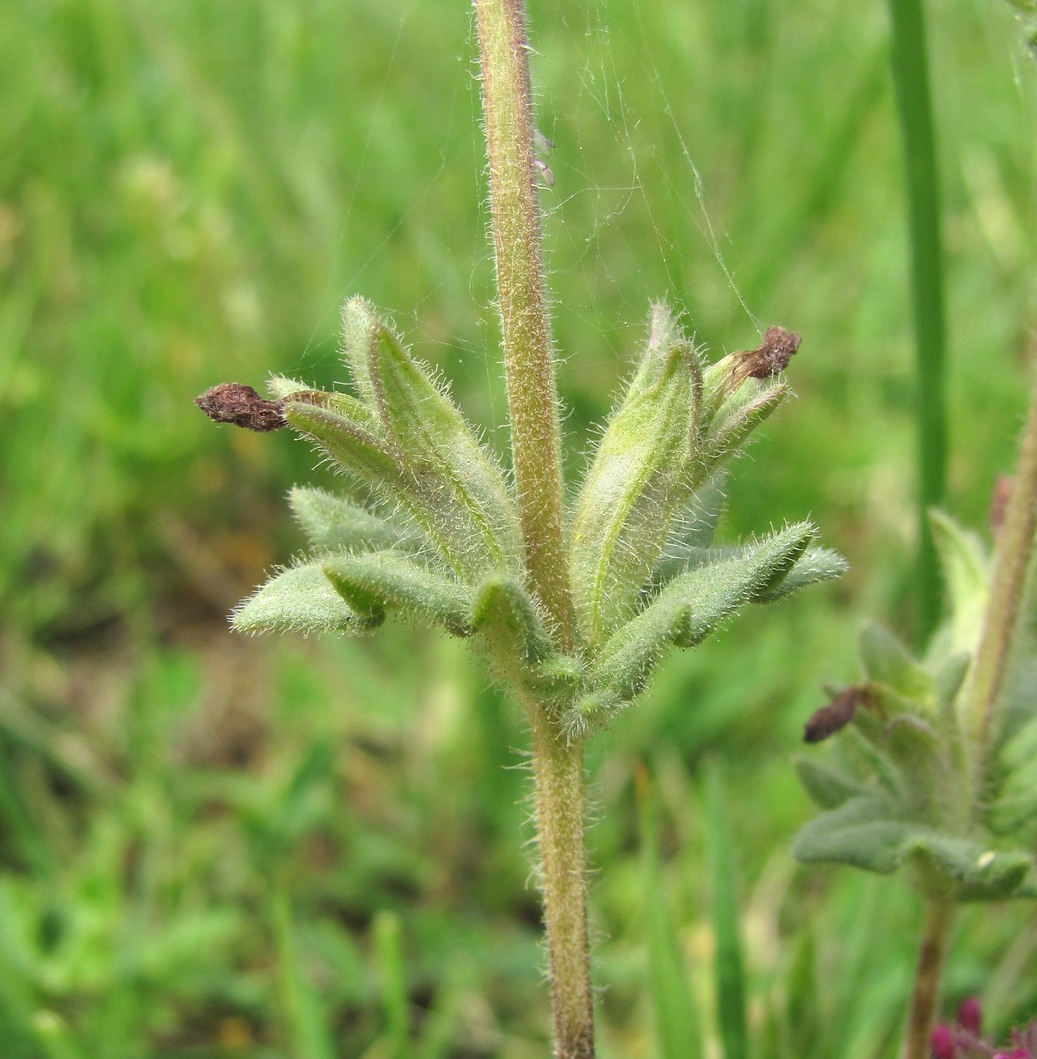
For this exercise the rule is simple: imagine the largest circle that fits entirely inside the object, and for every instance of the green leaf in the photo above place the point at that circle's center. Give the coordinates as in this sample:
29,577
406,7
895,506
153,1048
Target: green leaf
558,678
736,419
434,442
350,435
639,481
347,432
361,328
815,565
334,523
699,520
965,566
887,661
504,611
828,784
868,832
948,679
1013,810
970,870
863,832
376,582
692,606
298,599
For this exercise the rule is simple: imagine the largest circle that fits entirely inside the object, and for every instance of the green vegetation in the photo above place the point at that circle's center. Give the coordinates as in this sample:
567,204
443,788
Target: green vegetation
221,846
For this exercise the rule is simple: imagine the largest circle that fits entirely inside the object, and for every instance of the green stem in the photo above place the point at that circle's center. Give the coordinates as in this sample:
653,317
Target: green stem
529,363
911,83
558,767
1004,600
529,366
939,917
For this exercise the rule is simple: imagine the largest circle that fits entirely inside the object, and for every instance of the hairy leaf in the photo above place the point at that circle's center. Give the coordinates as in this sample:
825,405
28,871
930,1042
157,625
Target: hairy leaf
638,483
335,523
377,582
693,605
299,599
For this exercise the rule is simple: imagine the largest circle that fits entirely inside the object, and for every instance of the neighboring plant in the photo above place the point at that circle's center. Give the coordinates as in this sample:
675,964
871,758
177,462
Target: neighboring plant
934,770
575,602
963,1040
935,766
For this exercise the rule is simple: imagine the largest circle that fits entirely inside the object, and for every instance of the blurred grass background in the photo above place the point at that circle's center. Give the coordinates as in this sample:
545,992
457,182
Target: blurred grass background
212,846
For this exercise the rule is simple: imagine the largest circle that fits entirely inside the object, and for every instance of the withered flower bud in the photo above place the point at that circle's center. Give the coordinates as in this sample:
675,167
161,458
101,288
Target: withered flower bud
837,714
774,354
232,402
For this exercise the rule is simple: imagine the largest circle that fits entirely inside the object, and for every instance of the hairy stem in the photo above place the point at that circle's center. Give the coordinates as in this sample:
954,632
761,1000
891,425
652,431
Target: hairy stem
528,346
939,917
558,767
1001,618
529,367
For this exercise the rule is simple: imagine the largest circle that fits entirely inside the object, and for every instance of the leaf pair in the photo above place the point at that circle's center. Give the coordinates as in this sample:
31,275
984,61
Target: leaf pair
405,440
638,591
644,578
675,426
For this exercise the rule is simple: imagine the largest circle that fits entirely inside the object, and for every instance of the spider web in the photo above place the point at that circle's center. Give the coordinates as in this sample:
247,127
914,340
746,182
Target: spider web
627,216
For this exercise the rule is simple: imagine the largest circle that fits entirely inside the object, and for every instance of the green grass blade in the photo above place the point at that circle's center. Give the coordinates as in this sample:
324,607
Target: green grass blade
914,109
678,1027
395,1001
730,965
307,1022
803,1014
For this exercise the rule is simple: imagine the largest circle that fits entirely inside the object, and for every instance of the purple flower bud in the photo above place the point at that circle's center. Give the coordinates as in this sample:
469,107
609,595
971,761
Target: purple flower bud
970,1015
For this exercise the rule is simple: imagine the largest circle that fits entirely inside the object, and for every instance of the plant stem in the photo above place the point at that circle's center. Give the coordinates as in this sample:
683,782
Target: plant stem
1001,617
914,107
536,448
558,767
939,916
528,346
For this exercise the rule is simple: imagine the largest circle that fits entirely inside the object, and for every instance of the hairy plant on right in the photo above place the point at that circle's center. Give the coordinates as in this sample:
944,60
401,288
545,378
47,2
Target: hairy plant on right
934,770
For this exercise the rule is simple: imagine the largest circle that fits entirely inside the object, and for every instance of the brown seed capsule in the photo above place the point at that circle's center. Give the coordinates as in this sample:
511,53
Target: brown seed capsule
837,714
232,402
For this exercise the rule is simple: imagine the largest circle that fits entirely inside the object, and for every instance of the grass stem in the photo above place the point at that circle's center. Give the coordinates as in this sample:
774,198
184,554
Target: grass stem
914,108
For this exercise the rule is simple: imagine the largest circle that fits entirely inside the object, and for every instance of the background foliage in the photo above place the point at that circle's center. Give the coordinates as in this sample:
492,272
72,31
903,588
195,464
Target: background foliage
214,846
